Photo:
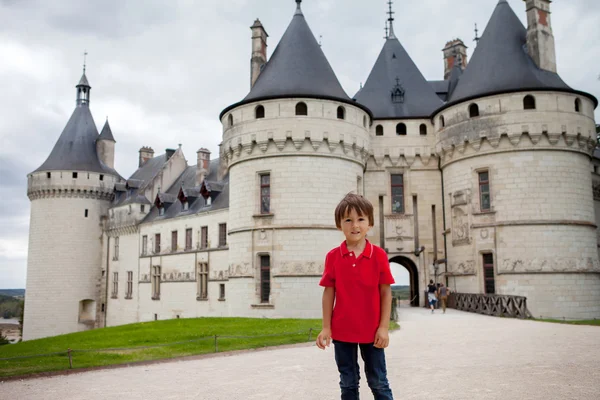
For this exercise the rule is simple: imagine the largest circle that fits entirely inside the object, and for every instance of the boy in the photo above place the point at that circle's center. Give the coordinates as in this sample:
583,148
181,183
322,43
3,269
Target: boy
357,276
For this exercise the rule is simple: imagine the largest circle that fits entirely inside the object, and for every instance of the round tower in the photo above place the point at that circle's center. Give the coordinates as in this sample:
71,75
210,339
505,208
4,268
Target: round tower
515,144
293,147
70,194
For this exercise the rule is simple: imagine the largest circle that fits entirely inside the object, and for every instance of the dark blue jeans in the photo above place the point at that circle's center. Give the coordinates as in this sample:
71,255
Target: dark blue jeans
346,357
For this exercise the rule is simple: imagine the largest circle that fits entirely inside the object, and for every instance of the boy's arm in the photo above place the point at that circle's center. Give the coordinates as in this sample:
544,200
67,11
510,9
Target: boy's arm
324,338
382,338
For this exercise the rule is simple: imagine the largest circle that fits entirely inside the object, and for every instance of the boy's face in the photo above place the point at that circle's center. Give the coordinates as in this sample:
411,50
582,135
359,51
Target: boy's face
355,227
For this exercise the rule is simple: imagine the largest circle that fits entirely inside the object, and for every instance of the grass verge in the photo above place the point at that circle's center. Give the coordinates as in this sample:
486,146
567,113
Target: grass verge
153,341
593,322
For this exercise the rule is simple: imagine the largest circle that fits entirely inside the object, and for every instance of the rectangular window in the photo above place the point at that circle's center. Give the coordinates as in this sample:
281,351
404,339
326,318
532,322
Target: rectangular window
188,239
174,241
101,177
488,274
358,185
222,235
116,255
397,193
484,190
157,243
144,245
115,288
265,193
202,281
155,282
129,285
86,212
143,208
48,175
204,237
265,278
74,175
222,291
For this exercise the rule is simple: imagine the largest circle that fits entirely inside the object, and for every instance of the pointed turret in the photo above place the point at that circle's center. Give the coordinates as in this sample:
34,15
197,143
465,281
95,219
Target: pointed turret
500,63
76,148
297,68
105,146
395,87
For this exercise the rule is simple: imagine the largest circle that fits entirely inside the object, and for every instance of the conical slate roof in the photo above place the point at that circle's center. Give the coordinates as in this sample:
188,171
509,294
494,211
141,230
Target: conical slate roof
83,81
75,149
297,68
394,68
500,62
106,133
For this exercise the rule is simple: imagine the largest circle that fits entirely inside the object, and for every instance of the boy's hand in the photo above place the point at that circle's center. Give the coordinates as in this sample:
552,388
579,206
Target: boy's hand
382,338
324,338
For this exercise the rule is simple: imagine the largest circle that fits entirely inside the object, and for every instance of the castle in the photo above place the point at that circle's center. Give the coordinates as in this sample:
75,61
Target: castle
485,180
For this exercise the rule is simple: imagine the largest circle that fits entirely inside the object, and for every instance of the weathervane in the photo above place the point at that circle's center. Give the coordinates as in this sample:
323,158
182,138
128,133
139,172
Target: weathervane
391,19
476,40
84,58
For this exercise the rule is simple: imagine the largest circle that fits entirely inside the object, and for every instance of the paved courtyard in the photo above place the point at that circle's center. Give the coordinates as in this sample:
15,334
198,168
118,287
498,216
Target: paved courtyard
455,355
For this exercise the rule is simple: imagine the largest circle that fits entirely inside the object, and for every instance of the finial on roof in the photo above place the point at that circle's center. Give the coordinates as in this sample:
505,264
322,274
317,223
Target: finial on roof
84,58
320,40
386,30
298,8
476,40
391,20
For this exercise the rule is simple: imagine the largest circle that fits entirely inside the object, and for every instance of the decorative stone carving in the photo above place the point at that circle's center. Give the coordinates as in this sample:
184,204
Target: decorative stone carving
460,226
299,268
536,265
399,232
465,267
219,276
240,271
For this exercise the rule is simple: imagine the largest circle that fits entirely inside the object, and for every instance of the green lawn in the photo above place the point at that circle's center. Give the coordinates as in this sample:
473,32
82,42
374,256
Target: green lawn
594,322
176,338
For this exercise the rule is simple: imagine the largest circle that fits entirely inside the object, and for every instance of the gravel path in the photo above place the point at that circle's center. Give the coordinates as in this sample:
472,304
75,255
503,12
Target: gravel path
455,355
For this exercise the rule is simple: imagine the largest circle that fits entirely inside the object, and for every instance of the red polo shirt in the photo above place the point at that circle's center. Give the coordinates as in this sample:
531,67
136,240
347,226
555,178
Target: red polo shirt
357,308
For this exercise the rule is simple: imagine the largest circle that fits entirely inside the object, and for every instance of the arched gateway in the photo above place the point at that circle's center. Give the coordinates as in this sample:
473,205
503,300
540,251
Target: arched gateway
414,278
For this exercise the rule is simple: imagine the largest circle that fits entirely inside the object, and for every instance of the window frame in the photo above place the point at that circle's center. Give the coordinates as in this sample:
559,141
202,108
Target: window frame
174,241
577,105
401,186
204,237
188,238
474,110
116,249
259,112
156,243
202,281
265,278
129,293
481,183
221,291
487,268
144,245
401,129
423,130
341,113
262,187
155,282
531,104
115,285
302,112
379,128
230,120
223,234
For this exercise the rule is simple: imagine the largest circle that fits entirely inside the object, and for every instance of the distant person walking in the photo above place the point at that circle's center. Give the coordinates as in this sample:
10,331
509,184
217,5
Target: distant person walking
431,290
443,293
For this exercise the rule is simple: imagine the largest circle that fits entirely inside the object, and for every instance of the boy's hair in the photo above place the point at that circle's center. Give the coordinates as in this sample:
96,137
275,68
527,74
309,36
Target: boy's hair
355,202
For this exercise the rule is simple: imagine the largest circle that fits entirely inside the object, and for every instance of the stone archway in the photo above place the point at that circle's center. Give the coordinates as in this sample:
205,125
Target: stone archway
414,278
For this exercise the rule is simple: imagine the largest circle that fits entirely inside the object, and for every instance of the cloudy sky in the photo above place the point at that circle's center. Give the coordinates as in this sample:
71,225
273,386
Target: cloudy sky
162,71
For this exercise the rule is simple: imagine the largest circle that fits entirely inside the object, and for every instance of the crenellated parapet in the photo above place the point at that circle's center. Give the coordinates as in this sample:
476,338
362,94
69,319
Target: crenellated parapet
308,127
516,122
69,184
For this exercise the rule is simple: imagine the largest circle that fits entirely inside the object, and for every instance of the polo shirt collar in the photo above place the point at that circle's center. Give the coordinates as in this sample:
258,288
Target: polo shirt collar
367,252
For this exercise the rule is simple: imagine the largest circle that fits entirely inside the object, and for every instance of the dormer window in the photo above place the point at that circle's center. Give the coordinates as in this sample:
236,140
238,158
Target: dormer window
301,109
186,206
161,211
259,112
397,92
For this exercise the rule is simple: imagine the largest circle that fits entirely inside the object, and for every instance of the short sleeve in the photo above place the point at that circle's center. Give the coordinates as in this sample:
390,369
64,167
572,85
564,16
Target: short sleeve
385,274
328,278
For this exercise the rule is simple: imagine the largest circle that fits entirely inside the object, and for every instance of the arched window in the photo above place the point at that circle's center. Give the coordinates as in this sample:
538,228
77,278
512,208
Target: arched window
259,112
301,109
577,105
423,129
379,130
401,129
341,113
230,120
442,121
529,102
473,110
365,121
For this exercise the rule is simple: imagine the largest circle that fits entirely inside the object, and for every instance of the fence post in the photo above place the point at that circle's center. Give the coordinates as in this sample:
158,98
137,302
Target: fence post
70,359
309,334
216,345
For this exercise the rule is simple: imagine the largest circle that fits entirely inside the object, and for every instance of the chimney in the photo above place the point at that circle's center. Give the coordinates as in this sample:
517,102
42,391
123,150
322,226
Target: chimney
169,153
146,153
259,50
203,167
454,51
540,40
